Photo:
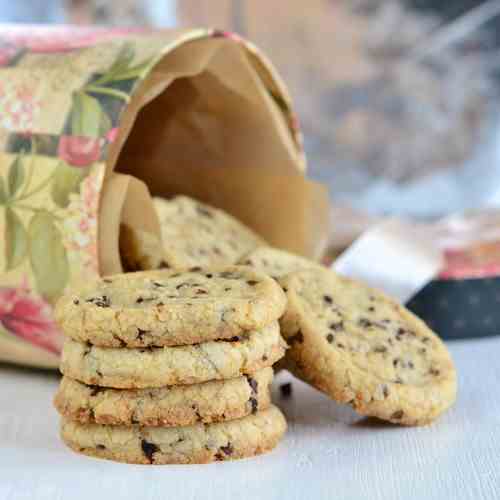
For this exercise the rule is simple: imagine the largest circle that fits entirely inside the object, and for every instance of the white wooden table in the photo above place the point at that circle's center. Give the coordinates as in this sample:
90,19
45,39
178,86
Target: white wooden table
328,452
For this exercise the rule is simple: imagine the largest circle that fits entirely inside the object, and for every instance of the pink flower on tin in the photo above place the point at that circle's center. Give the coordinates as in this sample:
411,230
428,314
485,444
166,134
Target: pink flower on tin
19,106
112,134
79,151
29,317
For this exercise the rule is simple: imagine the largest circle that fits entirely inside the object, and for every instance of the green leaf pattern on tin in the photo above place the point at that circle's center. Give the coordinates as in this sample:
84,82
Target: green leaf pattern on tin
48,257
16,239
66,180
32,231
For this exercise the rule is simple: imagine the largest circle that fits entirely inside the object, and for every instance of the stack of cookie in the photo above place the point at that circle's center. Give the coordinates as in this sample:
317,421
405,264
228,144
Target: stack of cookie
171,366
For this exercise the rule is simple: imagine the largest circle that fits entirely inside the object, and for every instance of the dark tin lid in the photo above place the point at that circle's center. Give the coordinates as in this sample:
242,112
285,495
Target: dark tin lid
464,302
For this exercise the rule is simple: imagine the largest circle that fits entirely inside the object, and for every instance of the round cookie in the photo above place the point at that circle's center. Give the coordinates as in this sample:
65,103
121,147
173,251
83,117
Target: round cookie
140,250
181,405
277,263
161,366
360,347
196,444
196,234
167,308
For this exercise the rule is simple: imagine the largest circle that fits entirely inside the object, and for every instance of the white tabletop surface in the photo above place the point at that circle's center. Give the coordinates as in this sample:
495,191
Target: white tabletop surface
328,452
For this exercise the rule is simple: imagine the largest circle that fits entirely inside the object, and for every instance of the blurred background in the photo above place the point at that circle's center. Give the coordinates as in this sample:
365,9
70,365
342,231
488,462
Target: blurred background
398,99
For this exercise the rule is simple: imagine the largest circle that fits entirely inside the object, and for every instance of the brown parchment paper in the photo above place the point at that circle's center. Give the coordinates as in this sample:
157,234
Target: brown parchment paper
125,200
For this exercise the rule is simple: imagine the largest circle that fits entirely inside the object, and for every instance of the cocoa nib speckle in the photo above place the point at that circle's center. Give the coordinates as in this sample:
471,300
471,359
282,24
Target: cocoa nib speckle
95,389
298,337
397,415
365,323
227,450
197,412
76,302
252,282
286,390
380,349
140,300
164,265
119,340
255,404
149,449
336,326
435,372
195,269
253,384
101,447
88,347
330,338
328,299
141,333
102,301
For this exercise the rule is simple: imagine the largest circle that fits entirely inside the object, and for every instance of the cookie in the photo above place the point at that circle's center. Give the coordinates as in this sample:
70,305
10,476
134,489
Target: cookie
199,443
196,234
181,405
277,263
140,250
161,366
360,347
167,308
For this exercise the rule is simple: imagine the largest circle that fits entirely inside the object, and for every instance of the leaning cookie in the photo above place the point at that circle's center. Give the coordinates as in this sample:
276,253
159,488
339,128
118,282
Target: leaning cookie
277,263
360,347
161,366
180,405
196,234
200,443
167,308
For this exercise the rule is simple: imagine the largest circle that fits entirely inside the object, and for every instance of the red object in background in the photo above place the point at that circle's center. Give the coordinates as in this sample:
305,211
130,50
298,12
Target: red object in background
478,261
